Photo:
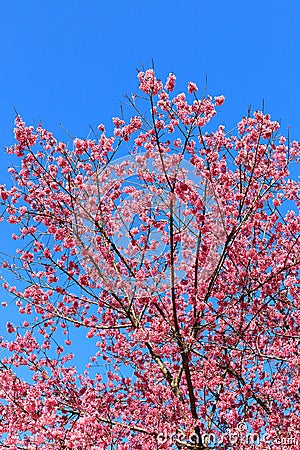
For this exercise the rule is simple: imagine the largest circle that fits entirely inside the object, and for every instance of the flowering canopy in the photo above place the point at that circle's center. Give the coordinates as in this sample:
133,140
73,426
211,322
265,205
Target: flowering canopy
181,265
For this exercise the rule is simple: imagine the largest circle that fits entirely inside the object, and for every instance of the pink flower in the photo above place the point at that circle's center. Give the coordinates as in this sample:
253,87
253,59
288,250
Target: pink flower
170,83
117,122
101,127
3,193
219,100
192,87
10,328
149,83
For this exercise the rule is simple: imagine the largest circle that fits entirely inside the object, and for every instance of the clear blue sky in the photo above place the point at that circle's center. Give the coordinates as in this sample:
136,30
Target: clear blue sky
72,61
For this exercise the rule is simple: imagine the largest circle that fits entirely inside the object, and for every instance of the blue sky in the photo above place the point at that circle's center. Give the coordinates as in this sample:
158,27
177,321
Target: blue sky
71,62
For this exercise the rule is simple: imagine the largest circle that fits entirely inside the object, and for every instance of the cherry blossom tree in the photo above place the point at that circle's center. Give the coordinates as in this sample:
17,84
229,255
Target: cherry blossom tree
177,266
